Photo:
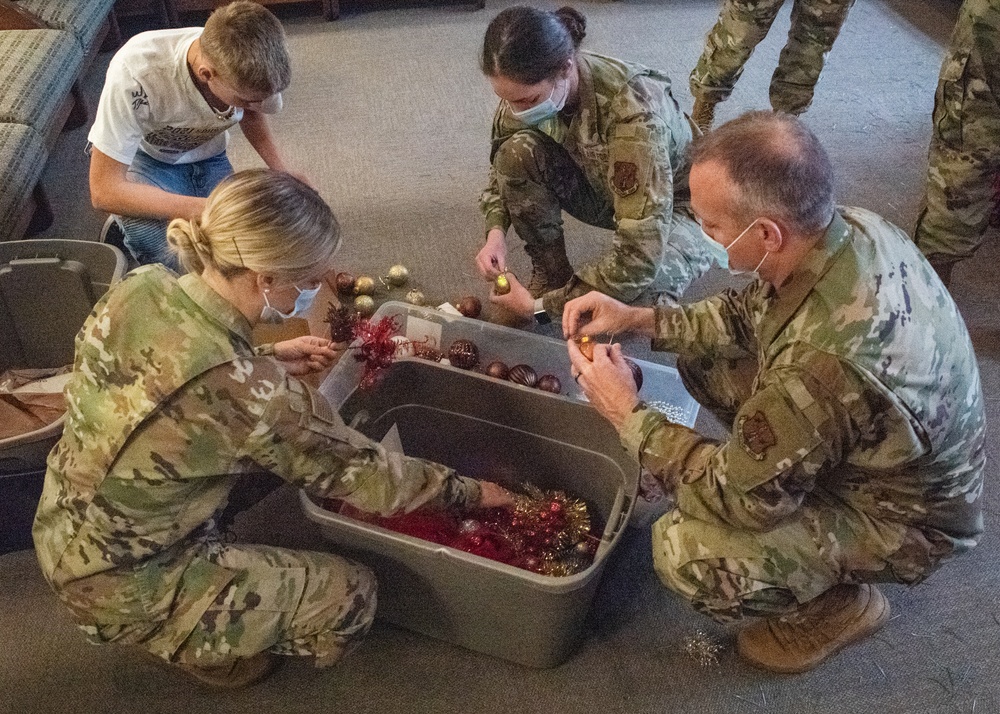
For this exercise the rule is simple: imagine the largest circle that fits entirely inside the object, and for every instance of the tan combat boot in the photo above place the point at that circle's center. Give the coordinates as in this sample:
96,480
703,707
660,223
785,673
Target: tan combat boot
816,631
550,269
703,113
235,674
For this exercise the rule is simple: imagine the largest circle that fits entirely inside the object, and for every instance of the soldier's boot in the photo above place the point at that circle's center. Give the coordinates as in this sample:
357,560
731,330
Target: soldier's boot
235,674
703,113
816,630
550,269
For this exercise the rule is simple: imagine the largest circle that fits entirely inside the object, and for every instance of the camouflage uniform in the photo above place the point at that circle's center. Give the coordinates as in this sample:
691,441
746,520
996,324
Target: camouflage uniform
742,24
857,429
168,405
965,146
619,164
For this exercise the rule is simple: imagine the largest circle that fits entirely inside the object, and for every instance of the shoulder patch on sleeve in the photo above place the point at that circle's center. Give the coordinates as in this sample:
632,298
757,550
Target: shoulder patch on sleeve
755,434
625,179
770,436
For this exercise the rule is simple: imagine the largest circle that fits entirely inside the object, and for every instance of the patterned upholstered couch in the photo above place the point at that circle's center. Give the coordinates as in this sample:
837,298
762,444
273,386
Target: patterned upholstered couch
45,46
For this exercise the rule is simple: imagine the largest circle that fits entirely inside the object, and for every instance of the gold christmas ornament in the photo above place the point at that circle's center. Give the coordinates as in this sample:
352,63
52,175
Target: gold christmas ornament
397,276
365,305
501,286
364,286
415,297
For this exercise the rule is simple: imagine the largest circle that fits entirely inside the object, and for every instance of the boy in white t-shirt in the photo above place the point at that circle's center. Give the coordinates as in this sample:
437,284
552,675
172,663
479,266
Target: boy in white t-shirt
158,144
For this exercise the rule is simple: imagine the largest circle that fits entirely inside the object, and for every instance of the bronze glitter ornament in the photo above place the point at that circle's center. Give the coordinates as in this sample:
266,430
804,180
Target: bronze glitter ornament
365,305
523,374
415,297
586,346
397,276
345,283
364,286
470,306
497,370
501,286
425,351
549,383
463,354
636,373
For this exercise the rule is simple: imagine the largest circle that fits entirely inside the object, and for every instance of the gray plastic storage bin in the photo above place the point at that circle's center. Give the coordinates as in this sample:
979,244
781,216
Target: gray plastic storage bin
47,289
661,384
497,431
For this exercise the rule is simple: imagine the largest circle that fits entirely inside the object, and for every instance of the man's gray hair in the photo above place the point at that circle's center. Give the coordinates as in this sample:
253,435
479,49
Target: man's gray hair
778,166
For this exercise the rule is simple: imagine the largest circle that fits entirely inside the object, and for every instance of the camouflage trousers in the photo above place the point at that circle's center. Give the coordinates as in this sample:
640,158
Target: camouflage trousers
964,159
742,24
283,601
726,572
538,179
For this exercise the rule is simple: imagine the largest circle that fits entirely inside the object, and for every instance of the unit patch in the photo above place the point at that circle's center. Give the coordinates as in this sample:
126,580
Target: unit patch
626,178
756,435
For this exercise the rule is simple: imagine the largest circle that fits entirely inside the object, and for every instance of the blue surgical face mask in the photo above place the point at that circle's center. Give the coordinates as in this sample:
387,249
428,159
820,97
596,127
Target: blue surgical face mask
533,116
302,303
715,251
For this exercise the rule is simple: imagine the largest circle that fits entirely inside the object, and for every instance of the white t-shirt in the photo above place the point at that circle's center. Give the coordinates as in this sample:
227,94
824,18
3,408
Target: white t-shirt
150,102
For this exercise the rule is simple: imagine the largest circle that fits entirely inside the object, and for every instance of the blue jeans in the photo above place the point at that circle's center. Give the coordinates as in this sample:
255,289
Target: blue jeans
146,238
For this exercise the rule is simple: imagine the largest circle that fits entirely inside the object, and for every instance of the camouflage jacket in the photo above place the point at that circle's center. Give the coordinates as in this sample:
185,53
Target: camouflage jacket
868,392
167,405
630,138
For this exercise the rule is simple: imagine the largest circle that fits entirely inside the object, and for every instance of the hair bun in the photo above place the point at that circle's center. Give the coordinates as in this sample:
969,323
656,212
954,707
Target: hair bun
574,21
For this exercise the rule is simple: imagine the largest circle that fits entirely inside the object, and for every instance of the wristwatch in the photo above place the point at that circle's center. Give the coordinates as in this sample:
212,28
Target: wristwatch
541,317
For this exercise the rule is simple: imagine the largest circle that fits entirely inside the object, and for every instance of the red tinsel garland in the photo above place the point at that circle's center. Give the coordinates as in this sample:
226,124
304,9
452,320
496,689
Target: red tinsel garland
546,532
377,347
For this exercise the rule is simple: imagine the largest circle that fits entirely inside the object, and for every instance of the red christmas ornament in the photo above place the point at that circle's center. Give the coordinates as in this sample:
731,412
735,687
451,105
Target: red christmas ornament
497,370
636,373
549,383
470,306
345,283
523,374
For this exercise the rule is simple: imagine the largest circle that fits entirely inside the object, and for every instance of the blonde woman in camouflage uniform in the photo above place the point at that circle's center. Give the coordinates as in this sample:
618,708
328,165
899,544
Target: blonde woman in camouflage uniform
169,404
849,380
597,137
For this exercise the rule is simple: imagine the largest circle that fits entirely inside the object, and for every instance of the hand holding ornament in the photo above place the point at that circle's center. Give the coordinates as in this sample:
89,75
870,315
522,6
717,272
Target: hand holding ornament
607,381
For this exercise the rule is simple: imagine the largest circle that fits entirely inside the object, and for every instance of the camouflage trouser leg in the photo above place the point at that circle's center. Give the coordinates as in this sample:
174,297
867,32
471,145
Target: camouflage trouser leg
815,26
284,601
726,573
965,146
538,180
742,24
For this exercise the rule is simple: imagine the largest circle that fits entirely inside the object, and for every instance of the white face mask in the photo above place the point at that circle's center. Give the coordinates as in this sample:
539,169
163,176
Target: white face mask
302,303
533,116
737,271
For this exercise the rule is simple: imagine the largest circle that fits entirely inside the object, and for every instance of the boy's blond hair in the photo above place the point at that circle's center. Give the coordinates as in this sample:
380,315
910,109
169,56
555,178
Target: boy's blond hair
262,220
246,45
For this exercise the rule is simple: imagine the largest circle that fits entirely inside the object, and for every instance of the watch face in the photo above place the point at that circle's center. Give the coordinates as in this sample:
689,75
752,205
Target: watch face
542,317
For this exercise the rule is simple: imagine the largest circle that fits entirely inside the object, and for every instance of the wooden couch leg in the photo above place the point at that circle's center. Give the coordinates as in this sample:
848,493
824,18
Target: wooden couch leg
112,40
78,114
42,217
